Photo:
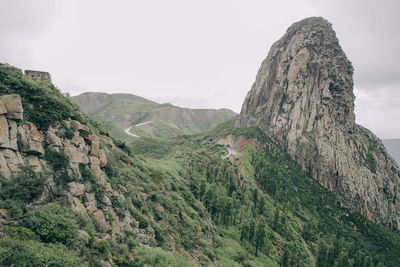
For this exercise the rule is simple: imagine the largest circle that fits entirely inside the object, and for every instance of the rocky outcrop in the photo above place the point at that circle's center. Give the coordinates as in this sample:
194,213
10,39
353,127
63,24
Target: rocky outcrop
22,144
303,98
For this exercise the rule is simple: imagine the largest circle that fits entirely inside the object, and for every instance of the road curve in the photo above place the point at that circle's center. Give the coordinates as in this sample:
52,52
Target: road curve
139,124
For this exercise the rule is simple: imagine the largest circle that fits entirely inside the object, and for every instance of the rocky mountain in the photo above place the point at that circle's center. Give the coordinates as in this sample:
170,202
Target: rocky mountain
393,147
303,98
120,111
71,194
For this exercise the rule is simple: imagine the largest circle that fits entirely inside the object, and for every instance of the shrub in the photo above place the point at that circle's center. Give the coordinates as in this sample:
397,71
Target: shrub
15,207
103,247
52,223
143,224
59,160
157,257
20,233
87,175
26,186
15,252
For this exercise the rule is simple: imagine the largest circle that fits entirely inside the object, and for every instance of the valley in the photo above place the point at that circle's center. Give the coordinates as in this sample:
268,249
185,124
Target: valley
118,180
119,111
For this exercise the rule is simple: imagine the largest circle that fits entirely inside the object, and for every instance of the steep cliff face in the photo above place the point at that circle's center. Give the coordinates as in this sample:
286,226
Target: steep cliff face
22,144
303,98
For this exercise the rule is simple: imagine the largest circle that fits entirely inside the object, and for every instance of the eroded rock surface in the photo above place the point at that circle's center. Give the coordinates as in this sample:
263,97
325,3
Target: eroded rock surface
22,144
303,98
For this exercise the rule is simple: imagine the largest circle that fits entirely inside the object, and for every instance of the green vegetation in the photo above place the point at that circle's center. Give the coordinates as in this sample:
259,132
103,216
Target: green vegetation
188,203
52,223
118,111
21,189
32,253
43,103
27,186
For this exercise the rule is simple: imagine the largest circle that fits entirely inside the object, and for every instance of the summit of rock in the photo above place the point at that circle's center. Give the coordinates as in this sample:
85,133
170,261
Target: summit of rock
303,98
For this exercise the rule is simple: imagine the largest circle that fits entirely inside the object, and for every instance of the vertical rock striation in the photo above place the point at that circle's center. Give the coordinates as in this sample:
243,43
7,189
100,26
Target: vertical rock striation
303,98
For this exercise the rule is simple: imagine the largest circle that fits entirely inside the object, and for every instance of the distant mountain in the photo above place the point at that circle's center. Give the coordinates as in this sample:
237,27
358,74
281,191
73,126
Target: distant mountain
71,196
393,147
120,111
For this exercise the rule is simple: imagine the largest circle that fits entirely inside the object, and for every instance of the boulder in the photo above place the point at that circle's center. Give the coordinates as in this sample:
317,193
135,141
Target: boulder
4,135
4,170
91,208
30,139
99,218
13,158
13,131
83,129
3,109
13,105
76,189
90,197
75,155
94,148
76,125
94,160
103,158
78,141
52,138
78,206
33,161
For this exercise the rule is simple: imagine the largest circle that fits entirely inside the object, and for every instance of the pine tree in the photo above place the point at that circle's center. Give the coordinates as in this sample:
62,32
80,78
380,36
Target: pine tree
285,260
322,254
260,236
252,230
244,231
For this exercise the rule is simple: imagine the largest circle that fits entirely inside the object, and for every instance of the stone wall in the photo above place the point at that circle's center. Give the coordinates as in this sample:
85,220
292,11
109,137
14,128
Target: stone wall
38,75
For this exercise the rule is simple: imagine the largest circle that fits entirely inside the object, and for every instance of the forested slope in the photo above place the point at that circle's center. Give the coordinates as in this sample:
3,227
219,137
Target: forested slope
165,202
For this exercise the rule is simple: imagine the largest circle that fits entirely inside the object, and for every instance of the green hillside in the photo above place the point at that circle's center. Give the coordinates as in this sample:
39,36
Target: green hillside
117,112
193,205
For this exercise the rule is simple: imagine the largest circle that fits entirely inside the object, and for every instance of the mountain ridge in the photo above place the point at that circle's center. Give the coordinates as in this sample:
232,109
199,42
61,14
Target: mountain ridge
81,197
125,110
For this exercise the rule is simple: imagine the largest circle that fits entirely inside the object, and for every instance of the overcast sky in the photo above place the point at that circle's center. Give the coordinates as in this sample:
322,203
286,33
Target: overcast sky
199,54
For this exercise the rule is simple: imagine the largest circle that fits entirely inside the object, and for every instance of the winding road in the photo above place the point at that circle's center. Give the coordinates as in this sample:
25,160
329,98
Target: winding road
139,124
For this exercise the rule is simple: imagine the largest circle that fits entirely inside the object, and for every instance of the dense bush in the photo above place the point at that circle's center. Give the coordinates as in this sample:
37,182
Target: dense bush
59,160
52,223
43,103
14,252
20,233
25,186
157,258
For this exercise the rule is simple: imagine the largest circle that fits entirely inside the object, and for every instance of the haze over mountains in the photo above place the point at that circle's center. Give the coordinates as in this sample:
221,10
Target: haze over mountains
305,186
120,111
